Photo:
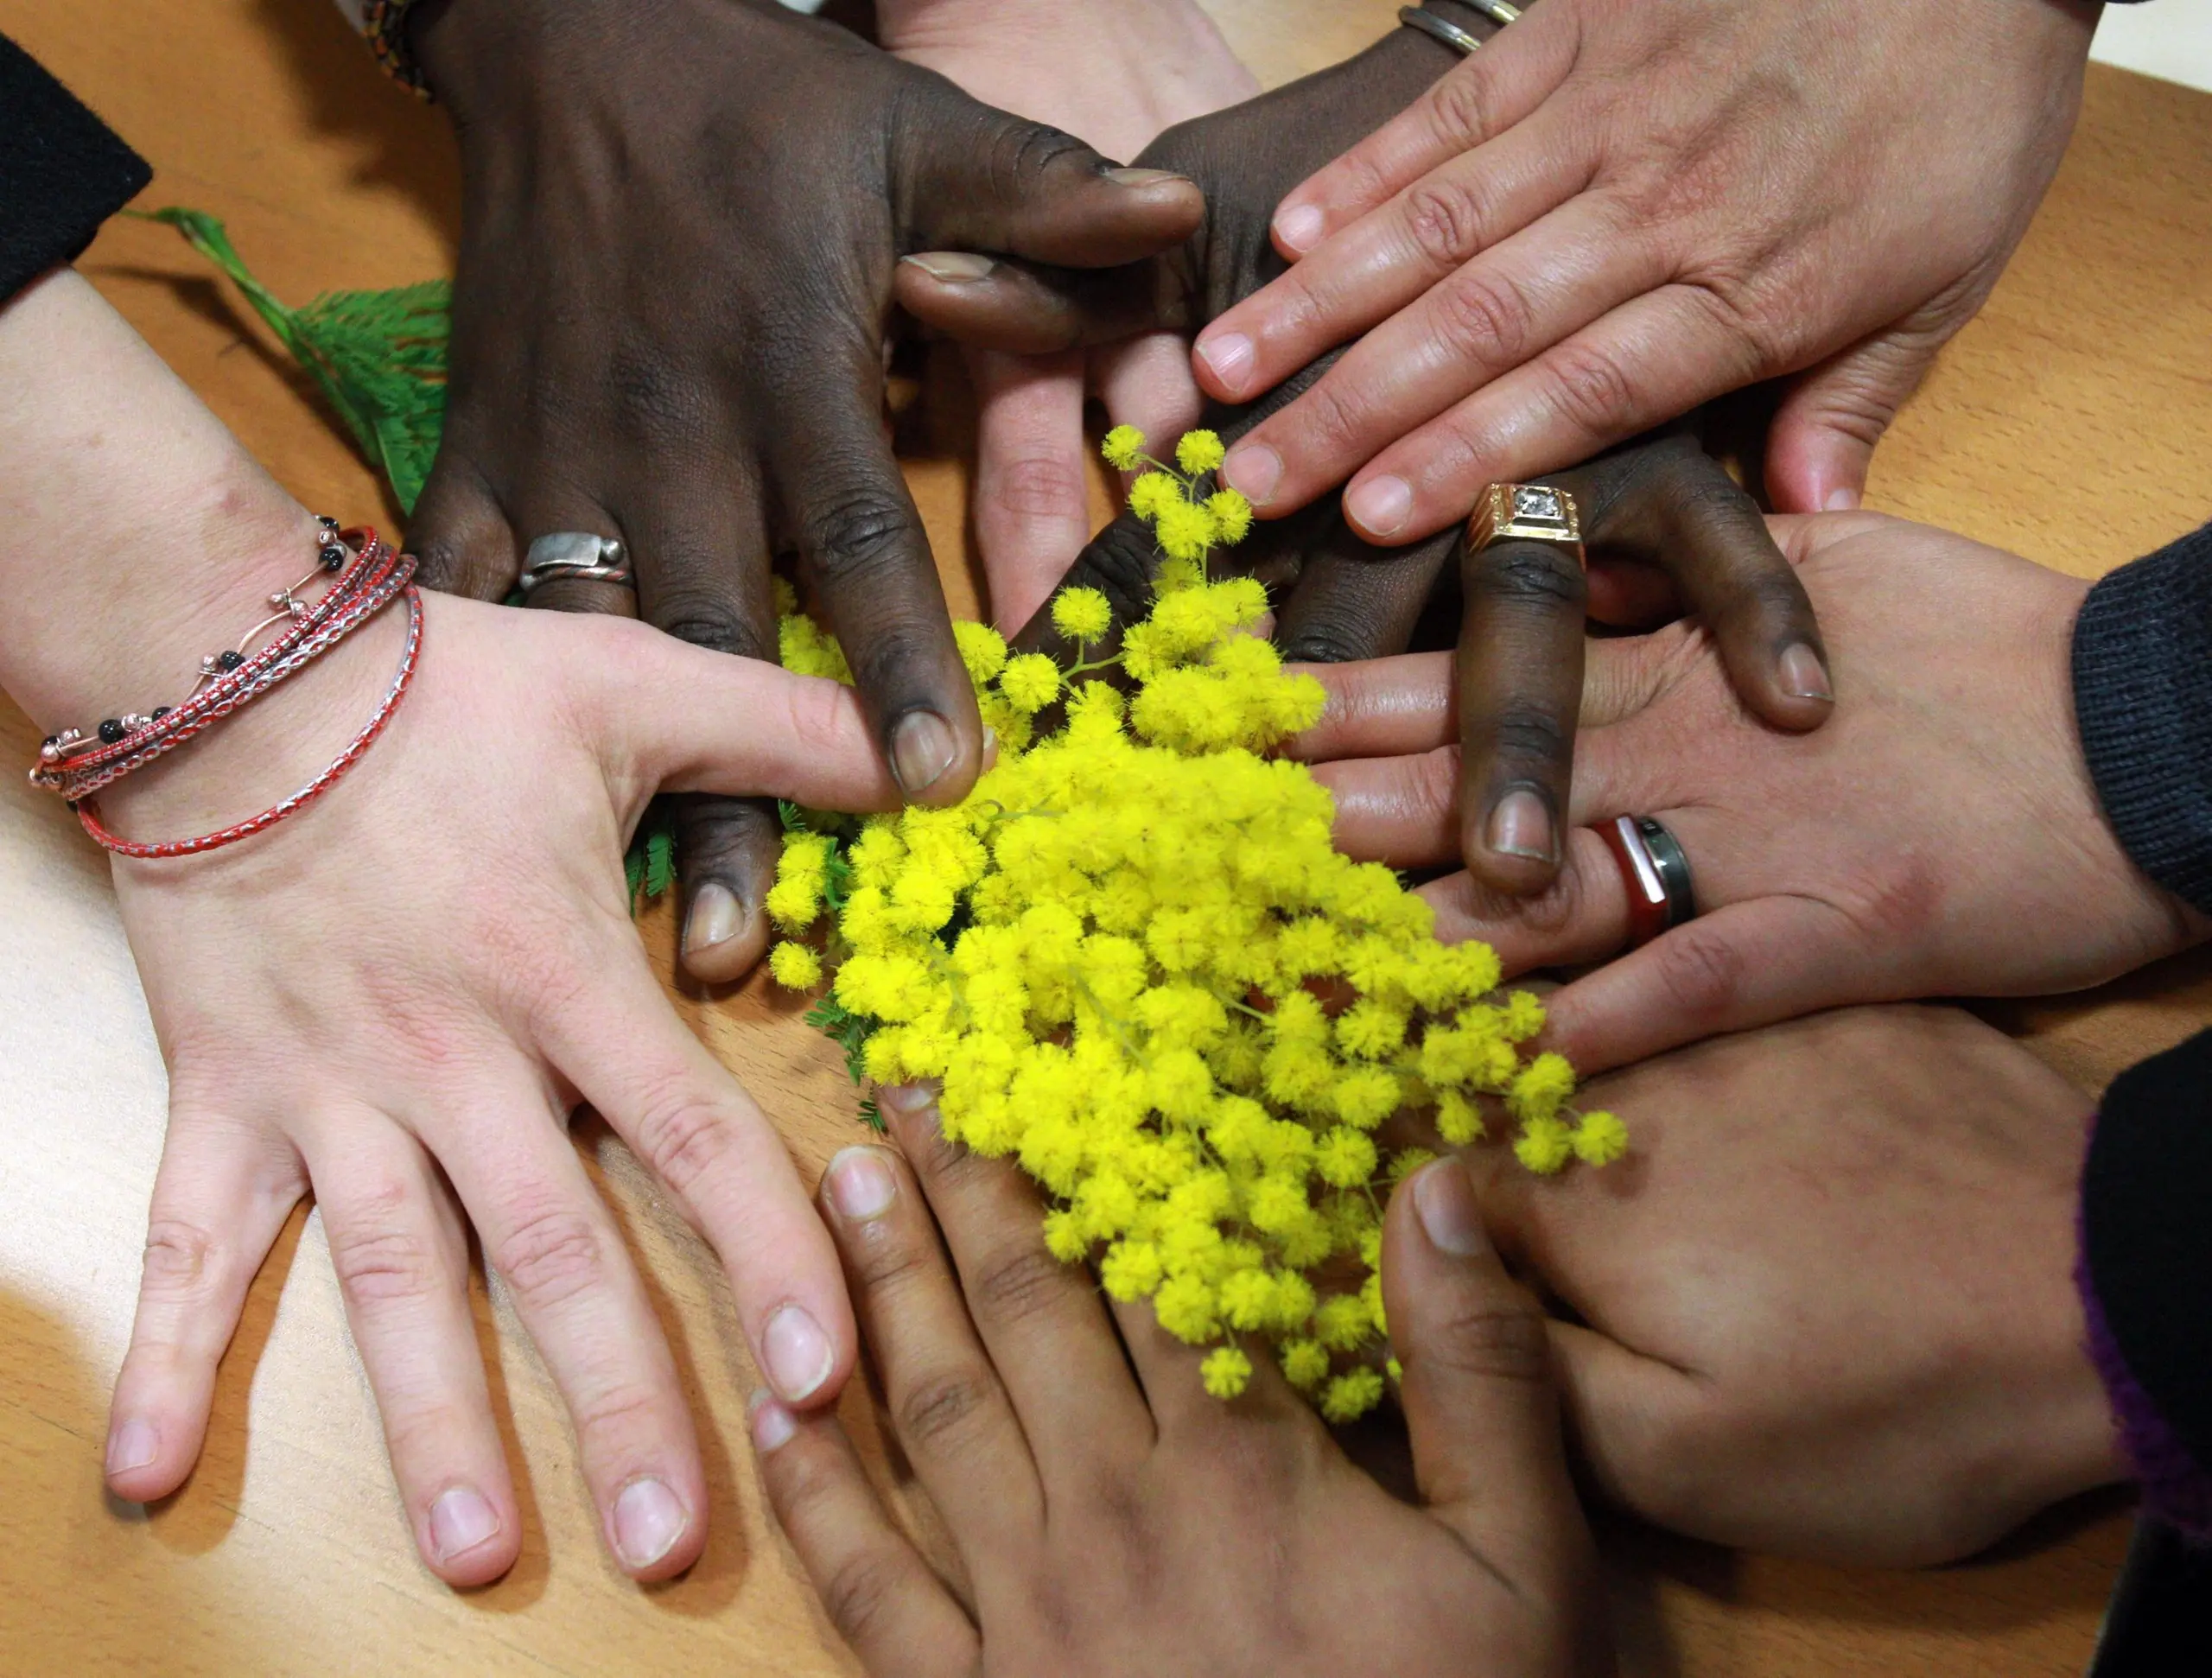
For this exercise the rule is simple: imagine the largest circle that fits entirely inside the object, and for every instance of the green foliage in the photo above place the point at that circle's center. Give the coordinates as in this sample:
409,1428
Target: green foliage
378,357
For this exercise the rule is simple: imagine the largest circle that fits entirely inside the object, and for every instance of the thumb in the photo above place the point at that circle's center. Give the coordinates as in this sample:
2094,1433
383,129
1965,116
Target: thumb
685,719
1824,432
1476,1385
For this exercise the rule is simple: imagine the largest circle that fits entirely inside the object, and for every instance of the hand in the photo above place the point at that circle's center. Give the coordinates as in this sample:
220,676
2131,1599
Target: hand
1621,209
1940,837
1114,79
1113,1522
1663,504
394,1001
679,223
1829,1296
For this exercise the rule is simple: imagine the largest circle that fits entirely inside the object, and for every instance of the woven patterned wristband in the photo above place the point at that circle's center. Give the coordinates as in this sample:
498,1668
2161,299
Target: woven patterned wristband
383,23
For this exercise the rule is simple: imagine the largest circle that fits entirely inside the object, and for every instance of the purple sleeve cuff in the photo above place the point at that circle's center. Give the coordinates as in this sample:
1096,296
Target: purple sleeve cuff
2176,1487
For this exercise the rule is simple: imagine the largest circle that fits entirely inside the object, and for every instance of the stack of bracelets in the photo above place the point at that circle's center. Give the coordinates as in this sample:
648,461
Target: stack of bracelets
366,576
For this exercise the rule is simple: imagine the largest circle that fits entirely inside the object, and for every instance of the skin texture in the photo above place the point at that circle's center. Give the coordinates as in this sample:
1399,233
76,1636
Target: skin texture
1686,533
395,999
1109,1518
1825,1307
1623,208
1113,77
679,223
1940,838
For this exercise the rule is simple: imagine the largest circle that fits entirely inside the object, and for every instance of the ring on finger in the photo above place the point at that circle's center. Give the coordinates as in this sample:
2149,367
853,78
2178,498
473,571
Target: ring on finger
563,556
1526,512
1656,871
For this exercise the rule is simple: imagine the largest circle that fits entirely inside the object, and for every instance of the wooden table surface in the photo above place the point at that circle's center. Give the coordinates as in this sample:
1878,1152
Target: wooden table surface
2072,421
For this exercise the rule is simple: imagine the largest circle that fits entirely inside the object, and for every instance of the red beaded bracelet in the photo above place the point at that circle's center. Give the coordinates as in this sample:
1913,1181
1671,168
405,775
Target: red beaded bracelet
88,816
73,763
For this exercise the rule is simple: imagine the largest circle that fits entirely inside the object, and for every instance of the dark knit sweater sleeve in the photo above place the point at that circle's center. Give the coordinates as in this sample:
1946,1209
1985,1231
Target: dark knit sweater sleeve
63,172
2143,698
2147,1273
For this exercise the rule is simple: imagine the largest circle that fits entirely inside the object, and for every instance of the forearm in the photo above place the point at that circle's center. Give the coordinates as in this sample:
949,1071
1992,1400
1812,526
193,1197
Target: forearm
136,535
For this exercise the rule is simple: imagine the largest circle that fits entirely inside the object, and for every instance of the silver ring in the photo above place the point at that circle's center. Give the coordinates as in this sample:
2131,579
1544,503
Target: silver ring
1441,29
578,555
1673,866
1497,11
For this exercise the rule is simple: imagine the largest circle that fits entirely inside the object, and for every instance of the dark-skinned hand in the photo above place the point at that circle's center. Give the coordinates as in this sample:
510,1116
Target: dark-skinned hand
680,220
1670,524
1109,1518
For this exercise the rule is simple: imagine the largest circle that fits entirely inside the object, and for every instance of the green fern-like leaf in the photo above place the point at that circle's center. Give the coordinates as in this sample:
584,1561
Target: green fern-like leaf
378,357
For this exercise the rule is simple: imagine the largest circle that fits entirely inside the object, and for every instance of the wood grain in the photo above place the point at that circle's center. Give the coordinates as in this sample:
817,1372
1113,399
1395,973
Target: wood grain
2072,422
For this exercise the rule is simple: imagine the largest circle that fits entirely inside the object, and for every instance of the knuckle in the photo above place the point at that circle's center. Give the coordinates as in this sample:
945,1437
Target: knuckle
1592,390
1119,564
1328,640
682,1136
1011,1288
860,534
1484,316
383,1266
1491,1339
936,1410
704,619
1444,220
1524,734
1461,107
551,1256
1701,971
858,1595
1530,576
1039,486
180,1258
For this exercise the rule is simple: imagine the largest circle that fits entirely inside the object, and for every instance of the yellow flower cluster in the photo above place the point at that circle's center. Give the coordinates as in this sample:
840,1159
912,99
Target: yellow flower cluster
1138,967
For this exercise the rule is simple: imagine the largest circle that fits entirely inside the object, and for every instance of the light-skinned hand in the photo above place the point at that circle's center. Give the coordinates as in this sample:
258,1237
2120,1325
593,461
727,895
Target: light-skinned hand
1825,1307
1619,209
1109,1518
1939,837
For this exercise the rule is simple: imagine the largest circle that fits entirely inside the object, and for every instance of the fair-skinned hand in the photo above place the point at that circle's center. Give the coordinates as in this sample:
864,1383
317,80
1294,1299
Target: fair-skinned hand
1111,1518
1825,1307
395,998
1114,77
1619,209
1940,837
394,1001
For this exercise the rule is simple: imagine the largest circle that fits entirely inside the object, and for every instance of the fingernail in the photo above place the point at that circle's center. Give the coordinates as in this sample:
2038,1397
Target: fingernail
990,746
1841,499
714,917
860,1183
1253,471
773,1425
132,1444
796,1352
1230,358
1803,676
1127,177
1298,228
906,1097
1443,1199
648,1520
957,267
462,1518
1380,506
1521,825
922,749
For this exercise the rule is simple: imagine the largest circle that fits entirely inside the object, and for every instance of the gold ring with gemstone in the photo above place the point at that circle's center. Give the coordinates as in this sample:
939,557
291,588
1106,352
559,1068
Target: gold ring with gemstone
1525,512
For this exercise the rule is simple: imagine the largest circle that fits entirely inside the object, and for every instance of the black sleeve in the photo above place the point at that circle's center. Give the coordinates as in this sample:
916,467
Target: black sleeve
63,172
2146,1263
2143,699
